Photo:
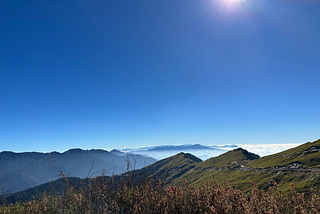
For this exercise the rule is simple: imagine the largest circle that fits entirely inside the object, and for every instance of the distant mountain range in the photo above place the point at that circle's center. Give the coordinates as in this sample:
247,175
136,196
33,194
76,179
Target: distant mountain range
201,151
300,166
181,147
20,171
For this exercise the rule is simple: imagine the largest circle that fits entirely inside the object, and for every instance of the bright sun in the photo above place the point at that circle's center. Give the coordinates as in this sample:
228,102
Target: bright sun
234,1
233,4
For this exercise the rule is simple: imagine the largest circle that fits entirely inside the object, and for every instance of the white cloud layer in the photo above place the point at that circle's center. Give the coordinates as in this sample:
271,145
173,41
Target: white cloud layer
204,154
268,149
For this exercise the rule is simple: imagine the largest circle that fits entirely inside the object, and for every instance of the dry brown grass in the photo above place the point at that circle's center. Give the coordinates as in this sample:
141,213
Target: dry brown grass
213,198
100,196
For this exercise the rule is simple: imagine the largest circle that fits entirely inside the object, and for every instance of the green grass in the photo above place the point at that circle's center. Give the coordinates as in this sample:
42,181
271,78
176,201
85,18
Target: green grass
179,160
295,155
306,182
226,167
223,168
229,159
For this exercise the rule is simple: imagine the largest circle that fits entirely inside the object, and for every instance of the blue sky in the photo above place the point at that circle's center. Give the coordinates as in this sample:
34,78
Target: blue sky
132,73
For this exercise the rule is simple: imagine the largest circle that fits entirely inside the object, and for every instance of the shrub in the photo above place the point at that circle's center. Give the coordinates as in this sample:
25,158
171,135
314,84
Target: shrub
101,195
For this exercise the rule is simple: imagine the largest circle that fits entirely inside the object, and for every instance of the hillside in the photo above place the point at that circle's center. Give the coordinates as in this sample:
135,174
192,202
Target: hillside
296,166
167,170
170,169
229,159
303,156
20,171
233,166
180,160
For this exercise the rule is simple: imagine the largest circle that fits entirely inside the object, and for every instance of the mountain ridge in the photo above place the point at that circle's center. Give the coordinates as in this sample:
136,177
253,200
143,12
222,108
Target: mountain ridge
230,159
305,155
23,170
235,166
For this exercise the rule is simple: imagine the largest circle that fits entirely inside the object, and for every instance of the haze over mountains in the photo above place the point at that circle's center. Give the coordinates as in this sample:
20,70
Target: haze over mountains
204,151
19,171
299,165
201,151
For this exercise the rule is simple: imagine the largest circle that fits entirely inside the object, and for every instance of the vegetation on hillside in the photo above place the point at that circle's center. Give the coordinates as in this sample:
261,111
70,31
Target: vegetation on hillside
230,159
303,156
231,166
98,196
254,187
20,171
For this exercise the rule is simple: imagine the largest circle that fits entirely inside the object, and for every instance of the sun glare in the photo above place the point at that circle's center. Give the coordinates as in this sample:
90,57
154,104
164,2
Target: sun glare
233,4
236,0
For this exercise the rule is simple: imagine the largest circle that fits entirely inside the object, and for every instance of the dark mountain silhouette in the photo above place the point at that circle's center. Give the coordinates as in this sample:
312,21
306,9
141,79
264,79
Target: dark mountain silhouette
171,166
20,171
299,166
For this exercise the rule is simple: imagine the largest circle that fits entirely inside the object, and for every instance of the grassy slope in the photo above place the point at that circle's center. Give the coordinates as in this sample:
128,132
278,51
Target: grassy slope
204,171
302,154
183,165
303,181
229,159
172,168
180,160
177,164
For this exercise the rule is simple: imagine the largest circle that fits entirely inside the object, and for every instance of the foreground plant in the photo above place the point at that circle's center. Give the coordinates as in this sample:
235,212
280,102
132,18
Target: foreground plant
212,198
102,196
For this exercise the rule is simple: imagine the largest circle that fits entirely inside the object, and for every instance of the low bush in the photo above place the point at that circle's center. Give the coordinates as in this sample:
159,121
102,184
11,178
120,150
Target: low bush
99,196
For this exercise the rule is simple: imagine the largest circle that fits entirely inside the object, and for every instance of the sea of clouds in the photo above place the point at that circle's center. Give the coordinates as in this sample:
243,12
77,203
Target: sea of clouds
213,150
268,149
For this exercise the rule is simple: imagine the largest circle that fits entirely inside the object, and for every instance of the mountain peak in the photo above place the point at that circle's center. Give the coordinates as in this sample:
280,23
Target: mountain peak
75,150
188,156
179,160
248,155
231,158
